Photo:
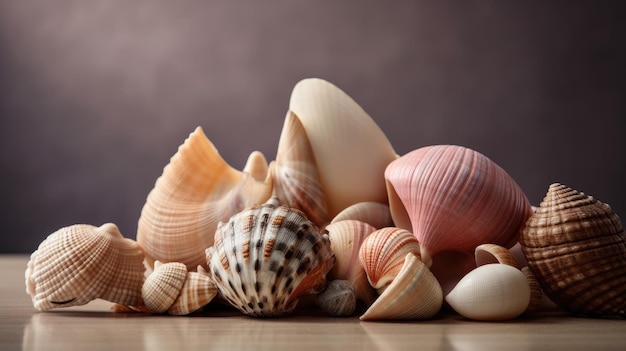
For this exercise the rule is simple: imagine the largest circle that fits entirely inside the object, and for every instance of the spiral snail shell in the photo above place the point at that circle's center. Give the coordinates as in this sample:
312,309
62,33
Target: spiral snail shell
576,248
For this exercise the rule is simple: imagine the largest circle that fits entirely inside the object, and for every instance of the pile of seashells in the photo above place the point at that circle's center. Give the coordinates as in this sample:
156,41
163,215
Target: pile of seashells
340,217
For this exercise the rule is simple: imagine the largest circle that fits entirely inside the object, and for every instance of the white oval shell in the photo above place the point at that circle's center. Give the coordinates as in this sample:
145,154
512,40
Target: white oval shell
491,292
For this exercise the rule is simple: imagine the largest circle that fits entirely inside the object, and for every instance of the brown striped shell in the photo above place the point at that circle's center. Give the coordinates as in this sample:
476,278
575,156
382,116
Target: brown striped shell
267,256
576,248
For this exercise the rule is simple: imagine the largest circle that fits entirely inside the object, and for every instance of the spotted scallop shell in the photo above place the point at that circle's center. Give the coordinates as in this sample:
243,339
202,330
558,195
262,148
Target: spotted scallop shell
576,248
267,256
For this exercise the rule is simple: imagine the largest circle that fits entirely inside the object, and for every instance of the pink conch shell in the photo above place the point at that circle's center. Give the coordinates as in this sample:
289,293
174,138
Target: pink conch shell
383,252
80,263
346,237
454,199
576,248
414,293
196,190
350,150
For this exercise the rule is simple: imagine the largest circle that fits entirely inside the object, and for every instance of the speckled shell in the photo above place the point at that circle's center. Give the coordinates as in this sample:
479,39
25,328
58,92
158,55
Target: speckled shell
267,256
383,252
80,263
491,292
576,248
453,199
196,190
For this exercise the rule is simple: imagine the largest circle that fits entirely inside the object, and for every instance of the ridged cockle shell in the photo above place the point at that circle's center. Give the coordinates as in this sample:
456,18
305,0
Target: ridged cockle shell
267,256
171,288
576,248
383,252
197,190
80,263
414,293
453,199
346,238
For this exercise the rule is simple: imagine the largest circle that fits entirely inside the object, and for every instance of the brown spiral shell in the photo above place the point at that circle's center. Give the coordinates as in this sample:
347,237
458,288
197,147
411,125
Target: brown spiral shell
575,246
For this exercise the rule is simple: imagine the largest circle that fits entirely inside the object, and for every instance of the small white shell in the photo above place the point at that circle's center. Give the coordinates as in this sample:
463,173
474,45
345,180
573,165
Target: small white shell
491,292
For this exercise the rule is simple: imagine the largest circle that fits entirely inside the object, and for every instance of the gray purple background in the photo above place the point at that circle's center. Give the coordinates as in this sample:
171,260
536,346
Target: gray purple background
96,96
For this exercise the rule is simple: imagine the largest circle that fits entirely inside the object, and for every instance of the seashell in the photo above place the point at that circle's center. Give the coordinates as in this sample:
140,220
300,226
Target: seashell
267,256
492,253
196,190
340,132
346,237
338,299
536,294
383,252
171,288
491,292
454,199
375,214
414,293
296,180
576,248
80,263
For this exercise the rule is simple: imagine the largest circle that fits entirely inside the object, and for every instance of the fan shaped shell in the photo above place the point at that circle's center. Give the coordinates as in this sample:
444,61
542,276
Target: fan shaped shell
267,256
82,262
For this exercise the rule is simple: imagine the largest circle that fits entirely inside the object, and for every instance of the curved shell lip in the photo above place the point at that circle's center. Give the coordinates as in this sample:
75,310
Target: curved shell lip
413,294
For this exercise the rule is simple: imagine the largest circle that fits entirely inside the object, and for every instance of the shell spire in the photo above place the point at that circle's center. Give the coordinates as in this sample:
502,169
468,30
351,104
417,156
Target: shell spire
576,248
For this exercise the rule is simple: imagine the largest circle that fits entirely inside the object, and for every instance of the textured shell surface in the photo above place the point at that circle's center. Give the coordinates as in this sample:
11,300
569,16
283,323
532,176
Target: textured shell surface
162,286
383,252
267,256
338,299
492,253
341,133
491,292
79,263
198,291
453,199
346,238
414,293
576,248
196,190
294,173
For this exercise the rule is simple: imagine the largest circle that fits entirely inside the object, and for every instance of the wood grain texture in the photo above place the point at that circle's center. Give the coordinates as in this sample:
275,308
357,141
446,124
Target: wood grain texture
95,327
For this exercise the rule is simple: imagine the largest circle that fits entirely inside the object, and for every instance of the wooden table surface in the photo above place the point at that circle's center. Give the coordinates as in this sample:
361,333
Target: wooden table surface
95,327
